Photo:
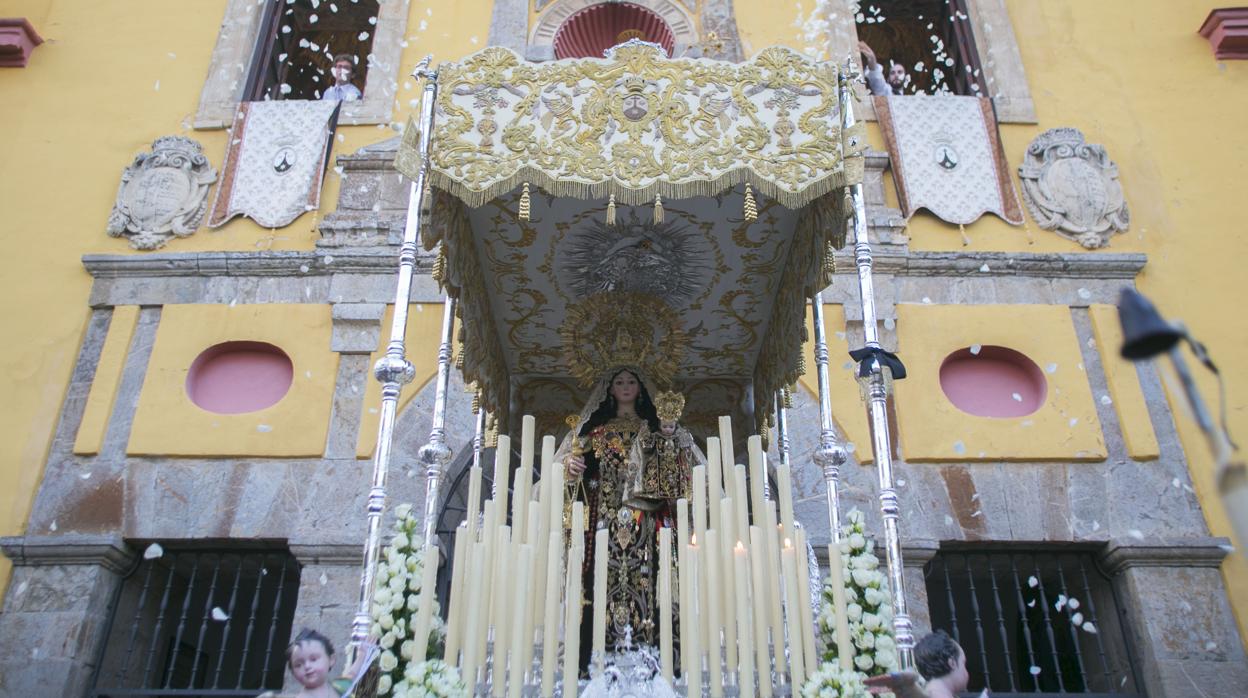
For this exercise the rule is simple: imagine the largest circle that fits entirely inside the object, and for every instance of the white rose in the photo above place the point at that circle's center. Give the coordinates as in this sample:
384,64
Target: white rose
413,602
857,541
400,629
412,671
851,594
382,596
862,578
386,641
400,541
397,584
866,641
403,511
388,661
863,662
406,649
413,584
386,621
384,684
870,621
883,641
885,658
873,596
856,516
853,611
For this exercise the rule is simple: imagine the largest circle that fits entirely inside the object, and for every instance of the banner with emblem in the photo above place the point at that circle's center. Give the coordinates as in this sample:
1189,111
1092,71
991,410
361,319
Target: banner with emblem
275,162
946,157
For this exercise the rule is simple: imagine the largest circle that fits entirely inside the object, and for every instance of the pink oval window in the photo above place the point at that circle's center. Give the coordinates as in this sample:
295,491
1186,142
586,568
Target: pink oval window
594,29
992,381
237,377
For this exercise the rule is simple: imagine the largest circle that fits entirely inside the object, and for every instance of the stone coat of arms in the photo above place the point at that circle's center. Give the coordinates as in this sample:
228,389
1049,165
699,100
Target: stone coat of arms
1071,187
163,193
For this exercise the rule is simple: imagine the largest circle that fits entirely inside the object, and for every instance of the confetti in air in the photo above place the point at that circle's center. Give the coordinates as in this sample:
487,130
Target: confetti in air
219,615
153,551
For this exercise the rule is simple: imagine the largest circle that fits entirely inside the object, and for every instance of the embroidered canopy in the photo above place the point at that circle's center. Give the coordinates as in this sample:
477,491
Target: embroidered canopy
717,296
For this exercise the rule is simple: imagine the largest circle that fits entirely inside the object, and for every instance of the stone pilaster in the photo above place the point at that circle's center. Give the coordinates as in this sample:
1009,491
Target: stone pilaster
329,587
55,616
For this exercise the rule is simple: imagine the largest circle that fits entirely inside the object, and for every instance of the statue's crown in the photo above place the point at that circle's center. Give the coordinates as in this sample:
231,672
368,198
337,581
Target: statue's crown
669,405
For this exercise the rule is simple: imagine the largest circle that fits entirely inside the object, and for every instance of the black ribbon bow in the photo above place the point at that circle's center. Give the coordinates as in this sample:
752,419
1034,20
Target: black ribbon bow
885,358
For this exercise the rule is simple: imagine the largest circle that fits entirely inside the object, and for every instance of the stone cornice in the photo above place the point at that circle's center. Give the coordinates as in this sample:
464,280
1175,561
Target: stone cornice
384,260
108,551
1122,554
332,554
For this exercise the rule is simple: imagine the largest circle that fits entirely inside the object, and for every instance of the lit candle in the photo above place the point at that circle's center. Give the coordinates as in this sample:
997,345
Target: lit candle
454,615
572,621
699,502
758,577
714,604
784,483
519,623
836,578
550,621
714,492
690,629
502,476
797,657
744,622
758,475
803,598
500,616
665,604
599,649
475,611
728,593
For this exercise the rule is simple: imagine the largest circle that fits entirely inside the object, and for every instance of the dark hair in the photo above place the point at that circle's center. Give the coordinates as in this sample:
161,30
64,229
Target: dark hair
606,411
308,635
936,654
345,57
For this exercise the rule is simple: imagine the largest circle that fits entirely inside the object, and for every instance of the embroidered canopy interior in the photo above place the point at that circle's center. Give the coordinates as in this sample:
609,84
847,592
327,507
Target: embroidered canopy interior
633,126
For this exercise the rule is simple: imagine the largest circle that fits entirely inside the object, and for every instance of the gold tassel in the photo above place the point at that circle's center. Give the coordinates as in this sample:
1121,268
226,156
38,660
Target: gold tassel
750,209
611,210
965,240
847,204
524,202
439,267
459,360
426,200
765,437
788,397
801,364
658,209
476,401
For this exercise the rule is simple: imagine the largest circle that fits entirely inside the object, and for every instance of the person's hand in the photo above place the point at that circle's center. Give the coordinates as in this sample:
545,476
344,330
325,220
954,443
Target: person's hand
905,684
575,466
868,53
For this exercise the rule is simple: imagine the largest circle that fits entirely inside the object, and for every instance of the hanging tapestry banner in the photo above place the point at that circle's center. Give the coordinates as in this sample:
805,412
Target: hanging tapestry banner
637,124
947,157
275,163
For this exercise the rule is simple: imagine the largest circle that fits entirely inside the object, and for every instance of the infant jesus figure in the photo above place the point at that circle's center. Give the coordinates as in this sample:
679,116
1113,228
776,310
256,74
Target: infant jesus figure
661,463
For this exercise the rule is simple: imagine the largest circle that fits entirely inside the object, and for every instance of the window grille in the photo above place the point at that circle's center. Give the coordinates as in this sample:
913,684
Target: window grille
297,42
200,622
1031,621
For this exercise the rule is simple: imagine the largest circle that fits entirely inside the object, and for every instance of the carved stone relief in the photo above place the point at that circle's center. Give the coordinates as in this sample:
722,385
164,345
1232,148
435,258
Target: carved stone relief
162,194
1071,187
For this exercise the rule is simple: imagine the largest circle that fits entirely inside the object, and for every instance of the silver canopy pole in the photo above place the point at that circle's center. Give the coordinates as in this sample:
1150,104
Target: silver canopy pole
393,370
436,455
877,388
830,455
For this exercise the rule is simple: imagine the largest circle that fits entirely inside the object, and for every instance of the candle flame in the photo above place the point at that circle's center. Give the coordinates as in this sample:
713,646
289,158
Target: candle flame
693,539
788,543
740,546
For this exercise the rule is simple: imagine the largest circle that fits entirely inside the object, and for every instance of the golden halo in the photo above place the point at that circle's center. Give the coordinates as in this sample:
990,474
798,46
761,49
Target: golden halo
607,330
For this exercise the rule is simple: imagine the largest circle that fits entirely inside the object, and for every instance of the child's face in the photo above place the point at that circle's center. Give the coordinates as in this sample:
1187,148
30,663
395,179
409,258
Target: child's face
668,428
310,664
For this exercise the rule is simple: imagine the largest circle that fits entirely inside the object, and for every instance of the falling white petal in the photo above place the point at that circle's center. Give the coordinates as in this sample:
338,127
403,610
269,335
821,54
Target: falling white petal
1077,619
984,268
1035,671
1088,627
153,551
1032,581
219,615
363,36
324,579
1136,534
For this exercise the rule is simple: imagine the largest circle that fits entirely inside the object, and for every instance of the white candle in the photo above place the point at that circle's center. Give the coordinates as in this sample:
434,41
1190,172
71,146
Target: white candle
474,501
599,649
714,491
520,505
528,441
804,604
741,502
533,601
699,502
682,522
550,606
501,614
775,588
728,592
727,457
758,475
489,538
784,483
836,578
454,615
543,527
424,606
797,657
557,493
502,476
572,621
475,611
713,607
665,604
682,568
758,579
578,525
690,628
519,622
744,622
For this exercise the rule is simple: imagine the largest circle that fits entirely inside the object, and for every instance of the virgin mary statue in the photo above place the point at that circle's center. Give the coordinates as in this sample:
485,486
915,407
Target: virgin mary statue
600,467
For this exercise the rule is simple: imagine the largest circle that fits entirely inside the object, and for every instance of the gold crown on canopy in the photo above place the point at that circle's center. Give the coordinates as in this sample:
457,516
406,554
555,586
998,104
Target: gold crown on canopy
669,405
615,330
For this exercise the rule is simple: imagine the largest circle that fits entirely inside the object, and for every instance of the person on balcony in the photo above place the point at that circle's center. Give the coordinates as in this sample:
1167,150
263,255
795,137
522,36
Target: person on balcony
874,74
343,71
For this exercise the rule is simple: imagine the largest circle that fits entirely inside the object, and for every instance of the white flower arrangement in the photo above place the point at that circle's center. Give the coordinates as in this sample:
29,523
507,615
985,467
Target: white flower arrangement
868,609
395,600
831,681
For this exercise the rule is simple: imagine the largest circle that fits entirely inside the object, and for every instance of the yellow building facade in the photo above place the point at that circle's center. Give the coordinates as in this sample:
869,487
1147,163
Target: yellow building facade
95,325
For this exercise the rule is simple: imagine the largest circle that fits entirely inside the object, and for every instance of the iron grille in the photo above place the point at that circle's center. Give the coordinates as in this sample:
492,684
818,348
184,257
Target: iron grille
200,622
1031,621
